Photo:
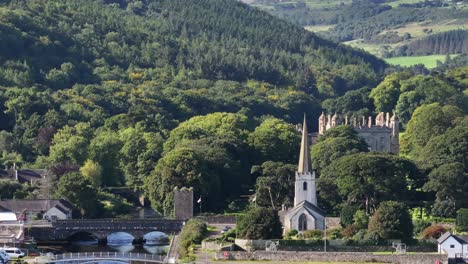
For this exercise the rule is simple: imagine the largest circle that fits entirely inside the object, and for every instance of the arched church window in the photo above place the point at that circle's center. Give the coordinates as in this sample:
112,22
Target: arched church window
302,222
304,186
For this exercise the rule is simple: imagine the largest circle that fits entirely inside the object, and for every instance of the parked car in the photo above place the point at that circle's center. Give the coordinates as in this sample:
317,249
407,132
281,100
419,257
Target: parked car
225,229
14,252
4,258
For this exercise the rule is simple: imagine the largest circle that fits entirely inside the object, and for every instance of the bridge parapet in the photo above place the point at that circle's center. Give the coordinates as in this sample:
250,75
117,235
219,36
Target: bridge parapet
90,257
166,225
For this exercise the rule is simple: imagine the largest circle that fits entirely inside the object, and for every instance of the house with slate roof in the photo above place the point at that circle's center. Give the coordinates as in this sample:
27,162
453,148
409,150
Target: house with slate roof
455,246
23,175
47,209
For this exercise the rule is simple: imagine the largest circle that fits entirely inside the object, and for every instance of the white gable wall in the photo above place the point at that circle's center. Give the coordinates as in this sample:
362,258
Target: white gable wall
55,212
451,247
314,219
311,221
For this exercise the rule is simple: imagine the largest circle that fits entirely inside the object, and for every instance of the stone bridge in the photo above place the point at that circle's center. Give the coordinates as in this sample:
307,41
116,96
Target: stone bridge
62,230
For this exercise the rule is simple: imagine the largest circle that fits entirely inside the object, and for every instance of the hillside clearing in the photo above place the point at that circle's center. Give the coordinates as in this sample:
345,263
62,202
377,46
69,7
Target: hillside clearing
428,61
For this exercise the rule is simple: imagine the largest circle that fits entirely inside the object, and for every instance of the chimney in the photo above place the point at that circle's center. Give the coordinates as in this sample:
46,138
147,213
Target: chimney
15,171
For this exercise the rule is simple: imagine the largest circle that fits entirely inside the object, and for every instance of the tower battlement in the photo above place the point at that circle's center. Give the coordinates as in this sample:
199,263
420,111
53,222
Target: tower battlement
380,133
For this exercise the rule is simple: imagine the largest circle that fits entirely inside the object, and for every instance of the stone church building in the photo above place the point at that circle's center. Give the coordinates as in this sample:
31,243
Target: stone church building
305,215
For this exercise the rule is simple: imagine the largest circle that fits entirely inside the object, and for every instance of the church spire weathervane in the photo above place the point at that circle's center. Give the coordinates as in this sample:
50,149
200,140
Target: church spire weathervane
305,165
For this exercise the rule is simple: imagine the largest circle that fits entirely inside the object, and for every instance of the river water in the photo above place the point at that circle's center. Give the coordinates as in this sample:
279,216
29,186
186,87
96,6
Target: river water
153,243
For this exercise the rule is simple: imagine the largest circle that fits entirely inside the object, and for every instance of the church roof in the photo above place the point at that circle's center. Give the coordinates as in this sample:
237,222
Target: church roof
304,156
309,208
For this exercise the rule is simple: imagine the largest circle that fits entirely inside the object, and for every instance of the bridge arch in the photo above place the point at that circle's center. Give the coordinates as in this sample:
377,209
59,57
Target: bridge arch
84,237
120,238
156,238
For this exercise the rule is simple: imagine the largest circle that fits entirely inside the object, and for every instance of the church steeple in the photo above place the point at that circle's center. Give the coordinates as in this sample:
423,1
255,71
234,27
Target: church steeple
305,177
304,155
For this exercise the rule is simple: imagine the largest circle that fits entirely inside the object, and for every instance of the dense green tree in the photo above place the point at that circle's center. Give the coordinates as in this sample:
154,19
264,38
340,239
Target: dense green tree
462,220
427,121
93,172
275,140
386,94
421,90
392,221
335,143
449,147
259,223
70,144
79,192
9,188
355,102
275,184
139,154
367,178
104,149
231,128
210,170
450,184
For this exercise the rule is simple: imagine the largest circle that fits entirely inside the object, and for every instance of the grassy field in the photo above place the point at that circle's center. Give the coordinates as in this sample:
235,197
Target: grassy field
319,28
417,30
309,3
398,2
428,61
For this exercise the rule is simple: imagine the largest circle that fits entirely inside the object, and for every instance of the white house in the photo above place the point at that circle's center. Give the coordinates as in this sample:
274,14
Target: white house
29,209
453,245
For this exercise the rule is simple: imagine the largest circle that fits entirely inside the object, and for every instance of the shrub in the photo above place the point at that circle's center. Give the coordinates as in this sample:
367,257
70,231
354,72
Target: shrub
360,235
347,215
192,233
292,232
434,232
259,223
335,233
420,224
349,231
313,234
360,220
462,220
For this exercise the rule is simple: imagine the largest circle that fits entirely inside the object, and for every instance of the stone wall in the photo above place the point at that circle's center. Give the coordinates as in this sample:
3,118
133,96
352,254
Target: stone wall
419,258
332,246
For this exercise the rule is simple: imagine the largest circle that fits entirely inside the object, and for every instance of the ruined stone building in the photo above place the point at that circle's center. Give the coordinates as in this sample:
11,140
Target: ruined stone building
380,134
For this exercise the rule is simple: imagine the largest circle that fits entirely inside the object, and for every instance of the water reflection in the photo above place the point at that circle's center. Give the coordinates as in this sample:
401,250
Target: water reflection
156,238
120,239
122,249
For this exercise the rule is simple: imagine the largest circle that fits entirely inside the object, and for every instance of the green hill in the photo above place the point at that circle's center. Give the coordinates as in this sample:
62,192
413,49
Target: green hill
207,39
153,64
385,28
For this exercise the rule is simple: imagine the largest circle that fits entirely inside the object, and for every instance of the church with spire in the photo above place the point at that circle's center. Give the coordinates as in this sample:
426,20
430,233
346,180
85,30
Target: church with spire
305,215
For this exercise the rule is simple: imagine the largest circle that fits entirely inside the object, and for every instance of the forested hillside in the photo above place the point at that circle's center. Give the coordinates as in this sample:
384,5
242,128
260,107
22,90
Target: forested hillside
97,87
156,94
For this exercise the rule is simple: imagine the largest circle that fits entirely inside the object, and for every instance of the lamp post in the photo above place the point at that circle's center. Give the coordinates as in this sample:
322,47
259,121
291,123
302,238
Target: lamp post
325,238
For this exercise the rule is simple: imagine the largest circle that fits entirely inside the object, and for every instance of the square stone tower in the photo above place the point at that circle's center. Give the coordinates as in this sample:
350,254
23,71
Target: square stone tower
183,203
